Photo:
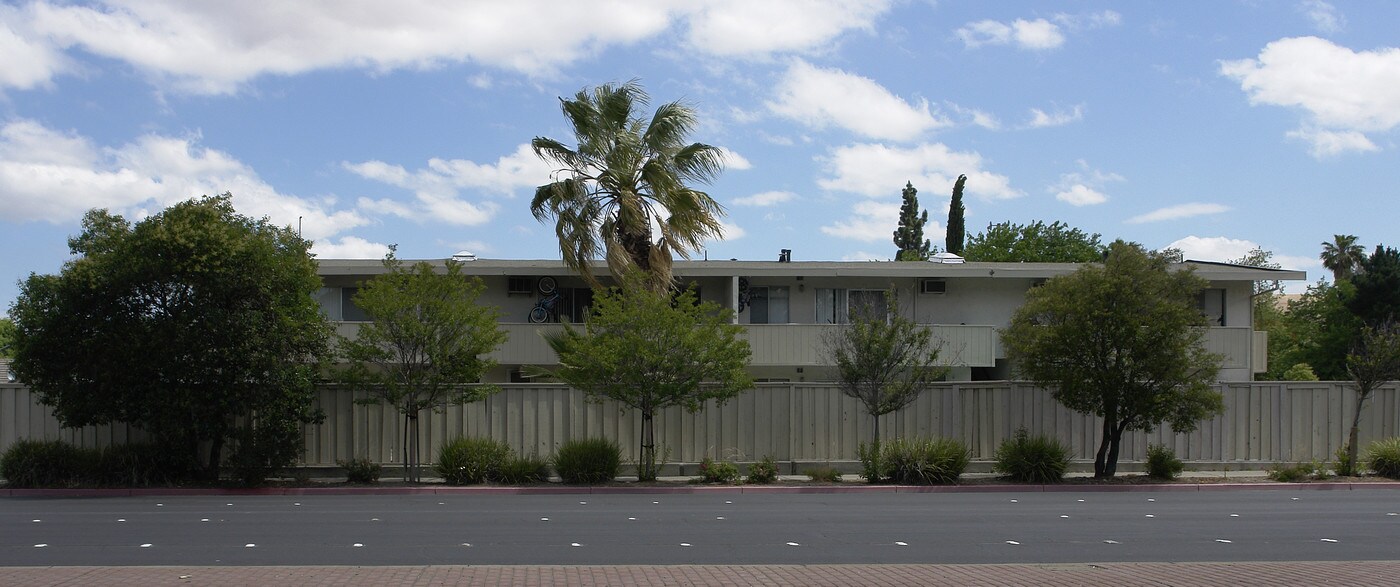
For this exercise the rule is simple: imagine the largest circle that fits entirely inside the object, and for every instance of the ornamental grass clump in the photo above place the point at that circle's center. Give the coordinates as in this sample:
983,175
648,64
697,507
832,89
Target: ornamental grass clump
935,461
1383,457
361,470
524,470
1032,459
469,461
588,461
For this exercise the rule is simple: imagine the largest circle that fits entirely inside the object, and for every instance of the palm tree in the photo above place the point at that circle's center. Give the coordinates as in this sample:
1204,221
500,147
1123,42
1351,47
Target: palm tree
626,182
1342,256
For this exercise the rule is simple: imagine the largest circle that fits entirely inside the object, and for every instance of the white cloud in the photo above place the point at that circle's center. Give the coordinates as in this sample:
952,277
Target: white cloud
763,199
974,116
1035,35
731,231
877,170
1041,118
349,247
734,161
1328,143
1324,17
437,187
1178,212
25,62
864,256
1094,20
1342,93
1081,195
747,28
53,176
872,221
1224,249
819,98
1083,187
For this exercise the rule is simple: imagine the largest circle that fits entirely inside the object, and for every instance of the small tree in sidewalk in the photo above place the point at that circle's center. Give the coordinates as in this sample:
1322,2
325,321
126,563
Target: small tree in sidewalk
650,351
1374,361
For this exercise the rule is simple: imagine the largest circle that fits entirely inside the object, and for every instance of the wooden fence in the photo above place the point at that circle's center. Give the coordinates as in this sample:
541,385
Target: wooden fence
1262,423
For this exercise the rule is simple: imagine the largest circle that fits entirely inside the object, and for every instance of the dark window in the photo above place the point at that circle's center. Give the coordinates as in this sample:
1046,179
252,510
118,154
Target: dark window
350,312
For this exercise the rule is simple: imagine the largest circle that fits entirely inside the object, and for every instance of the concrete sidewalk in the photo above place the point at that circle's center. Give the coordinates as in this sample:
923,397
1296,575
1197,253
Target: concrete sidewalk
1115,574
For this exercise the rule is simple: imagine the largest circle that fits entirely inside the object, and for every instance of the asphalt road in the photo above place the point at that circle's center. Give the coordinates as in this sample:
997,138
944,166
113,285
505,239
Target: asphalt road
1054,527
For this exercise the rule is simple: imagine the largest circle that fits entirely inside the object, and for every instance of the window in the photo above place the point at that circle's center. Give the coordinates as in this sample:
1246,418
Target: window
768,305
1211,302
328,298
834,306
349,312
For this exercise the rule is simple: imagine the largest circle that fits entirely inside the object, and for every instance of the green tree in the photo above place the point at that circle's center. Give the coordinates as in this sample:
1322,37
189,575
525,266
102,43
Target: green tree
1121,340
649,351
1319,330
626,183
1035,242
909,237
196,324
1342,256
1268,315
1377,283
426,347
882,359
7,336
1374,361
957,225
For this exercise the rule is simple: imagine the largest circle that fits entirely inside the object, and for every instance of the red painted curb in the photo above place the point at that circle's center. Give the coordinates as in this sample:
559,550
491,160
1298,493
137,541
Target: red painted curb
757,489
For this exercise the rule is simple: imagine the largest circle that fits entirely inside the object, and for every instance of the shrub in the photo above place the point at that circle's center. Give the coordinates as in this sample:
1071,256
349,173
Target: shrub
712,471
1298,472
141,465
1383,456
1032,459
1162,462
468,461
262,450
1300,372
872,467
524,470
588,461
928,460
361,470
1344,466
47,463
824,474
763,472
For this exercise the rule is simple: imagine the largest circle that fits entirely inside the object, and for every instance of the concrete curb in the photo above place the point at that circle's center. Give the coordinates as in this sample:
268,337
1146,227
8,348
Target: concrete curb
698,489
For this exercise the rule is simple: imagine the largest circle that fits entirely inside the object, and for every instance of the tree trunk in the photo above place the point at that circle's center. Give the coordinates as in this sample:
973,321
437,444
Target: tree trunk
216,454
1353,436
877,431
1101,458
646,468
403,449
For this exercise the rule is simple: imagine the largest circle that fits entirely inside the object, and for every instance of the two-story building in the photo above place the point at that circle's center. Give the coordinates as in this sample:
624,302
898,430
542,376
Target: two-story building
786,306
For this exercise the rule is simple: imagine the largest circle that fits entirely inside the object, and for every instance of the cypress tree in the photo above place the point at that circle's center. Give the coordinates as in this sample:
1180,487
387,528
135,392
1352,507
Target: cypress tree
956,227
909,237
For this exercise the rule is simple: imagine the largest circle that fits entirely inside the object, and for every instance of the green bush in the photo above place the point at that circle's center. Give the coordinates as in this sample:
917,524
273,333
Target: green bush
468,461
1344,466
263,450
1032,459
763,472
712,471
524,470
361,470
1298,472
823,474
588,461
1383,457
924,461
1162,462
141,465
872,467
48,463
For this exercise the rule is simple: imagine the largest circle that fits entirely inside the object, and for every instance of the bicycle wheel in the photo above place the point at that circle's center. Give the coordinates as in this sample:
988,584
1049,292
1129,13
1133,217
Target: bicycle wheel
539,315
547,285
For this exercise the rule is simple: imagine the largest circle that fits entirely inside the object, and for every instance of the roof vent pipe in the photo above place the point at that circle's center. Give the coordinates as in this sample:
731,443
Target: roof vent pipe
785,256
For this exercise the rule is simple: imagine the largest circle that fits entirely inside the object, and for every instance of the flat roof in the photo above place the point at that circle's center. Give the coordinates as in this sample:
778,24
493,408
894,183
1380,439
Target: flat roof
911,269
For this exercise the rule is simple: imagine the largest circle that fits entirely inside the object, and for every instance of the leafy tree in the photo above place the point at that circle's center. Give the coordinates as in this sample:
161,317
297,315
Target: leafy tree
1372,362
1342,256
1377,284
882,359
1268,316
196,324
626,182
7,336
1319,330
1035,242
957,227
909,237
1121,340
426,346
649,351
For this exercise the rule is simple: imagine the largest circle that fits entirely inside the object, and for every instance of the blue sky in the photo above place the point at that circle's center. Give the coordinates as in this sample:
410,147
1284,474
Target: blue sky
1211,126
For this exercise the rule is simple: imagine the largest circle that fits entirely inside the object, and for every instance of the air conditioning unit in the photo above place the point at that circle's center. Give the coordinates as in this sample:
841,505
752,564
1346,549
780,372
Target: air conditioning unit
933,286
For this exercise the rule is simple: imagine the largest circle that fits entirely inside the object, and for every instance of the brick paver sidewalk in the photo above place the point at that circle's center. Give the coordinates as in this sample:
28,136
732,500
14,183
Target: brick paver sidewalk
1116,574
